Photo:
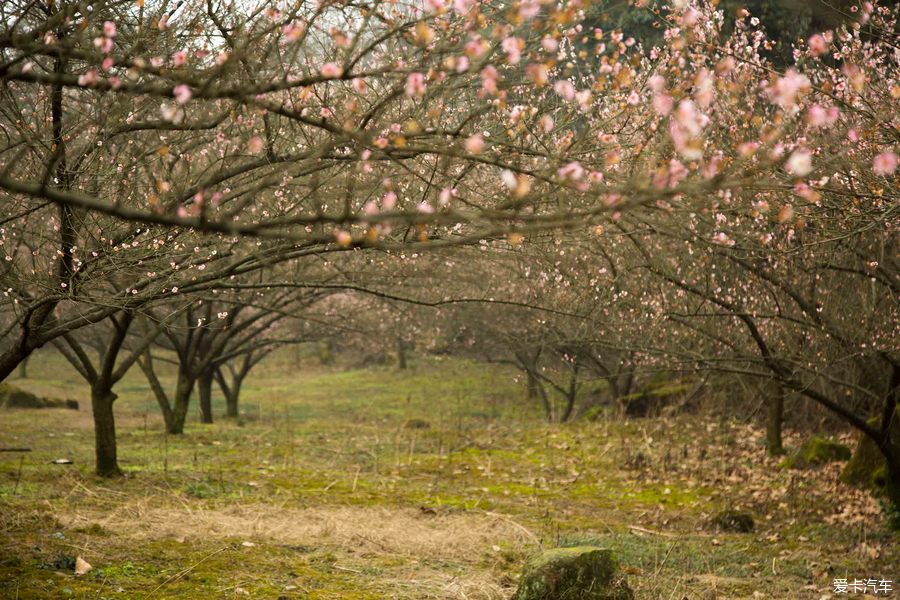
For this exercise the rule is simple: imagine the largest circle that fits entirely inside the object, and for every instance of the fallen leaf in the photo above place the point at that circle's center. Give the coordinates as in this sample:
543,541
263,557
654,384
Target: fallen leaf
82,566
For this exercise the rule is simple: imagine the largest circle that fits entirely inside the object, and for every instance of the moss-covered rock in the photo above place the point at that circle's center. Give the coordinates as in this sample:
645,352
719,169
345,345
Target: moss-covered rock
817,451
580,573
13,397
733,521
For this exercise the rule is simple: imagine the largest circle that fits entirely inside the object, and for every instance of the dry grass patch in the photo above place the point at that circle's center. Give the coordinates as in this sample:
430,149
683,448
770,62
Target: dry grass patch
404,532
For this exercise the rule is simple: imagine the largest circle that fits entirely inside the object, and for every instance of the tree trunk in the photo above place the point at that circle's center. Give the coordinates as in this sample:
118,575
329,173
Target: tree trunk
401,353
182,399
23,369
231,404
204,387
11,359
102,400
774,420
532,386
234,396
571,394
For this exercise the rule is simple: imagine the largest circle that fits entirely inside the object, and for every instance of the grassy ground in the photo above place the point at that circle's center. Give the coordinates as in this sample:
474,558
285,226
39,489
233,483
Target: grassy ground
326,490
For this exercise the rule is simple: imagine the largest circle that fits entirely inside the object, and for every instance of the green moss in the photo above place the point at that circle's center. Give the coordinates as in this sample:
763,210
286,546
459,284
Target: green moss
576,573
817,451
866,467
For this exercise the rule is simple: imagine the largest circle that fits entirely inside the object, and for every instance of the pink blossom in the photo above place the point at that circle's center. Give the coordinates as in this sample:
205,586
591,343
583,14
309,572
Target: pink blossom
293,31
714,166
509,179
784,91
389,201
331,70
565,89
549,44
513,48
255,144
179,58
572,171
703,88
461,6
88,78
538,73
677,172
657,83
885,164
546,123
343,238
359,85
489,77
662,104
475,144
109,29
182,93
722,239
105,44
424,208
476,47
818,45
415,84
584,99
686,128
799,163
690,17
107,63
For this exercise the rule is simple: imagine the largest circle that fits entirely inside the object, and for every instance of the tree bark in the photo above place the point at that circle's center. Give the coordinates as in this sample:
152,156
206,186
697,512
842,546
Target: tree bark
102,399
204,388
571,394
532,386
183,390
23,369
232,391
146,365
401,353
774,420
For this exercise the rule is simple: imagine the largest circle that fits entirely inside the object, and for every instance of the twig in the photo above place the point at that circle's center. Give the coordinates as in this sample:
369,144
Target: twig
348,569
19,474
184,572
651,532
665,558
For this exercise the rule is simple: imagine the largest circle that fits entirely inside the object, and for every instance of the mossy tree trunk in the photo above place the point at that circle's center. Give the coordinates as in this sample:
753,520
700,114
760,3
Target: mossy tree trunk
774,421
23,369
